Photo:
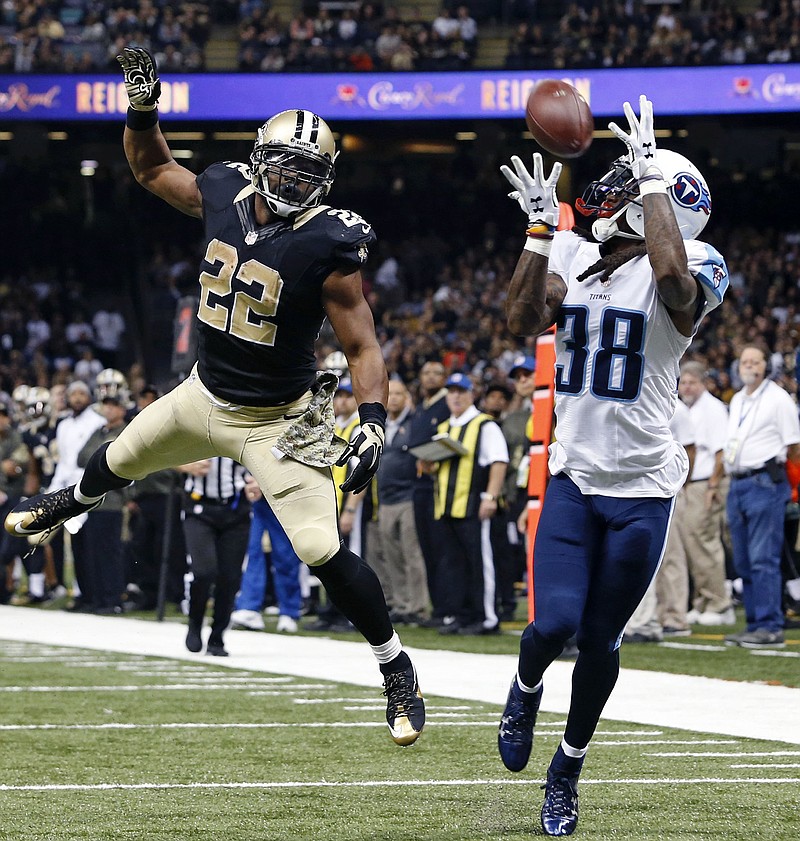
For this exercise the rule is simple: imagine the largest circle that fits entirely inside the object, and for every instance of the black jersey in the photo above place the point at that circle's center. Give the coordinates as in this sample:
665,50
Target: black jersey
260,309
42,444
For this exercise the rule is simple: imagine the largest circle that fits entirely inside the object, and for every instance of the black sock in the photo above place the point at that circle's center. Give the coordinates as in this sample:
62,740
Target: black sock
98,477
399,664
354,588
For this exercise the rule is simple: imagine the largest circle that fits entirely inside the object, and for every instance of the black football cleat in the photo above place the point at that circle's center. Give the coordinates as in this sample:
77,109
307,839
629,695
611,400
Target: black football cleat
405,707
560,809
515,736
194,642
44,513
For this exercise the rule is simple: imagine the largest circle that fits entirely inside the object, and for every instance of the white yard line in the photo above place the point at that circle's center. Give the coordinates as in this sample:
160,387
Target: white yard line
385,784
657,699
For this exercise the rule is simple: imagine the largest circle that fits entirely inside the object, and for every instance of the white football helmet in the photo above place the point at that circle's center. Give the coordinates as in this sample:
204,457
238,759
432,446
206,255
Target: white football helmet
111,383
37,404
292,162
336,363
616,196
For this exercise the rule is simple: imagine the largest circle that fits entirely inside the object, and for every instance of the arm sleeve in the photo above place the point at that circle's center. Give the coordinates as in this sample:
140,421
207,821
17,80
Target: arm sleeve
711,272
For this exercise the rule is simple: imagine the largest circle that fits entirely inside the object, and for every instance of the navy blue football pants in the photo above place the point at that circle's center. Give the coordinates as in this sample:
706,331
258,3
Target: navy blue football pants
594,558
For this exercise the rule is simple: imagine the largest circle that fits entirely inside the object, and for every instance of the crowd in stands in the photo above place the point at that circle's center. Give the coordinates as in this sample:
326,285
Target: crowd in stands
609,33
358,36
80,36
355,35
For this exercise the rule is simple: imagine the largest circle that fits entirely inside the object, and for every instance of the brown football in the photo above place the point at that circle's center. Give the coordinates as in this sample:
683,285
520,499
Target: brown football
559,118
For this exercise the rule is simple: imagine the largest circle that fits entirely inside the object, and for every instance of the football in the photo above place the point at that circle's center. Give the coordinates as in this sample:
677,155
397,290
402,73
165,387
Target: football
559,118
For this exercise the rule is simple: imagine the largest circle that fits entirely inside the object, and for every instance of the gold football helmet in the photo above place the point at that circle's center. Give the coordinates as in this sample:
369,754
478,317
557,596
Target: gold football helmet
292,161
111,383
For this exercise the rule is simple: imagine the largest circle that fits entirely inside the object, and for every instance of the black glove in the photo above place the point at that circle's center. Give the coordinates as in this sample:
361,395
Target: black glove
367,447
141,78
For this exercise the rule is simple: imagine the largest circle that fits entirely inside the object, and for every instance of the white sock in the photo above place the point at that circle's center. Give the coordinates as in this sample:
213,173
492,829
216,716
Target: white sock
574,753
528,689
36,584
85,500
389,650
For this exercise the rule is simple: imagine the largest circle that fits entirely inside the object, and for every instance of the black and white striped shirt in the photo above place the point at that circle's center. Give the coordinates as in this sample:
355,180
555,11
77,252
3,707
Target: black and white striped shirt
223,482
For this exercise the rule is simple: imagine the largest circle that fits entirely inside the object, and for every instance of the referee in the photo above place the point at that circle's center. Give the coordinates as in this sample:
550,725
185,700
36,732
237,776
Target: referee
216,525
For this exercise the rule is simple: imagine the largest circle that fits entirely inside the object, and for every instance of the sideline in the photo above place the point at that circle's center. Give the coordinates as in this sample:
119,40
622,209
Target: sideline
706,705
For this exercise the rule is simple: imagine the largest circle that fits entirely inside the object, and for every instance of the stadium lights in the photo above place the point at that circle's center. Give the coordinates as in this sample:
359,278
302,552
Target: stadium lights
57,135
184,135
233,135
6,135
88,168
466,135
182,154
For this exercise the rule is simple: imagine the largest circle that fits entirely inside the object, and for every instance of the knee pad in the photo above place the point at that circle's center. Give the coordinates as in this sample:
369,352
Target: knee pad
315,545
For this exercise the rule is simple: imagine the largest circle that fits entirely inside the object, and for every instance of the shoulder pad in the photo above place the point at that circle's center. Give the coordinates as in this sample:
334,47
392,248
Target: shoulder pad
709,268
222,182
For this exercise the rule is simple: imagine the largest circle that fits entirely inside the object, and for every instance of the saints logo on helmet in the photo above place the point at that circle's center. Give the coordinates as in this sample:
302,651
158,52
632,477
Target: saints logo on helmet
615,198
292,162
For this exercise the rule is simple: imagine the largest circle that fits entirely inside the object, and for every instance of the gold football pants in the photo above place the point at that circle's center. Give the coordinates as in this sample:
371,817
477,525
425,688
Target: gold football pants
189,423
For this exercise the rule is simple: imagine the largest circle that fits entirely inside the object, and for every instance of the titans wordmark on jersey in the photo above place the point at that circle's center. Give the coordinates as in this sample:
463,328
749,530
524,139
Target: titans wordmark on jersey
617,367
260,308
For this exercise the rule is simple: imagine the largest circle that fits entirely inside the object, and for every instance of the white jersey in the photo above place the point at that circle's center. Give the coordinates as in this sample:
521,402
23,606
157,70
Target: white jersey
617,369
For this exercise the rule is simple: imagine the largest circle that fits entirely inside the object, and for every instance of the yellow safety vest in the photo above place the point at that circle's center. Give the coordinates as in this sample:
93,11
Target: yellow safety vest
460,480
340,472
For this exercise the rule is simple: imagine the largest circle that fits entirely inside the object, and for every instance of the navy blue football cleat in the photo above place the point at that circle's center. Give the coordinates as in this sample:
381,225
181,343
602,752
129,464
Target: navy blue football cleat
560,809
515,736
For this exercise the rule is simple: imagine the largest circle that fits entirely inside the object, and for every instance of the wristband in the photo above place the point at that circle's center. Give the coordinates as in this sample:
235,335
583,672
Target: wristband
141,120
651,184
539,245
372,413
487,497
540,230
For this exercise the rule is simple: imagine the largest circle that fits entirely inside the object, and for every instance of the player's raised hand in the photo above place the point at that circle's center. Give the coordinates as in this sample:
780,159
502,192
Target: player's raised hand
534,192
141,78
641,140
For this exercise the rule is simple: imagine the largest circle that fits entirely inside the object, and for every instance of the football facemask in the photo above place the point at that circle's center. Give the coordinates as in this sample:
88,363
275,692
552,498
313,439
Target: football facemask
292,162
616,197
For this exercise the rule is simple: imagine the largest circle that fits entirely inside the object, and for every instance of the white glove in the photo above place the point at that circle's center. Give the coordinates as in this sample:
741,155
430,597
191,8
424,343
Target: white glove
367,447
535,193
641,141
141,78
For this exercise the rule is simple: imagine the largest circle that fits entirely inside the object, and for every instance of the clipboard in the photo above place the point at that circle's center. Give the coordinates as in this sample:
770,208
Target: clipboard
439,448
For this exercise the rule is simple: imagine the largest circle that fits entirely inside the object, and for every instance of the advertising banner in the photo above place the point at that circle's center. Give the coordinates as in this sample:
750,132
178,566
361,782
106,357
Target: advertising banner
742,89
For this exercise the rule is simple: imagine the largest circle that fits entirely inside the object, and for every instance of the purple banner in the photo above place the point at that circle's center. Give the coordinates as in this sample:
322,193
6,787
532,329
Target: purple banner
680,91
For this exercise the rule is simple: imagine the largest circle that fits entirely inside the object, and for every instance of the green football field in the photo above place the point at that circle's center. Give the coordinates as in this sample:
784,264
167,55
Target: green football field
114,746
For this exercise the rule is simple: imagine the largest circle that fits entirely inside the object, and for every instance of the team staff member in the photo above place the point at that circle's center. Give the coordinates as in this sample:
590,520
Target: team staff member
276,263
467,490
216,524
700,524
763,431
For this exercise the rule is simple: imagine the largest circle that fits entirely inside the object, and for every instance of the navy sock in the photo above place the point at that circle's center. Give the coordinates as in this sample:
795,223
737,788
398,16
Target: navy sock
562,765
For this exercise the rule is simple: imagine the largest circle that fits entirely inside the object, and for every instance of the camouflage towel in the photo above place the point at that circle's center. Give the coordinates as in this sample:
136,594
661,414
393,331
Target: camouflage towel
311,439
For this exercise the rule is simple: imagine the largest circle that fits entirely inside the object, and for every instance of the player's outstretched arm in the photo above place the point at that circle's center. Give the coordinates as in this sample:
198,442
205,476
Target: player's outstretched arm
665,248
534,295
146,149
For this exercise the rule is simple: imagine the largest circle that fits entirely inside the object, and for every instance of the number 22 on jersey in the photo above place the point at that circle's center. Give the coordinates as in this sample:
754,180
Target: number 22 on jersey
618,361
245,315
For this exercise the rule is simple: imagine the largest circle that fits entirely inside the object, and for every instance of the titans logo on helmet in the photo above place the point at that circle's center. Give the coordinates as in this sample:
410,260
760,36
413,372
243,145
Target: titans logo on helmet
690,193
